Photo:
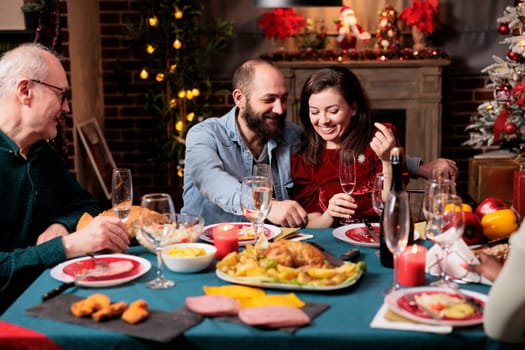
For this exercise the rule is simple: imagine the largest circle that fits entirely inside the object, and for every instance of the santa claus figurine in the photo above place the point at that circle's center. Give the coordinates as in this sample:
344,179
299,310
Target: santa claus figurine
348,29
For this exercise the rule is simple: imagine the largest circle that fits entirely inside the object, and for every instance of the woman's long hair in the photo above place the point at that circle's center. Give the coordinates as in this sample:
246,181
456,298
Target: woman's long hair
360,130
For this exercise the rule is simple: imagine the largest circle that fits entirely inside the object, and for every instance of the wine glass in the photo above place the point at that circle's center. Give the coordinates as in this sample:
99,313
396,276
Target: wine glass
121,193
347,176
256,196
447,218
396,225
262,169
433,186
157,217
378,202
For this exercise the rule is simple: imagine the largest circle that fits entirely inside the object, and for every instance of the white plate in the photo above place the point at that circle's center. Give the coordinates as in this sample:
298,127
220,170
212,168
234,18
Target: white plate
270,230
255,282
64,272
402,302
341,233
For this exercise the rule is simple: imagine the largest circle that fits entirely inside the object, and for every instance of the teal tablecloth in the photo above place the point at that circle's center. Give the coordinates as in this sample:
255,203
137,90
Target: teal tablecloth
345,325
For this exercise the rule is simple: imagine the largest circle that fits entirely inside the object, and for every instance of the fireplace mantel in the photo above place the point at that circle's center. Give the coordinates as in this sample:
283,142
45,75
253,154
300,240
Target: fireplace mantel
412,85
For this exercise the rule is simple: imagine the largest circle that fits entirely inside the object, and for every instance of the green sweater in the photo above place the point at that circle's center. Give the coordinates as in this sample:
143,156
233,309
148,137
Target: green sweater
34,194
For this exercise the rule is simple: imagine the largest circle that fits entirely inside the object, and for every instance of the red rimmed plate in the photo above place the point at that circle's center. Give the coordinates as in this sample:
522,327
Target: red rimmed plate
207,234
403,302
122,268
357,234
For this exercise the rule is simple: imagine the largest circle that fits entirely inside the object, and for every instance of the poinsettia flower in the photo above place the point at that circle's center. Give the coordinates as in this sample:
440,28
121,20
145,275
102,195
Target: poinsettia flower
423,14
281,23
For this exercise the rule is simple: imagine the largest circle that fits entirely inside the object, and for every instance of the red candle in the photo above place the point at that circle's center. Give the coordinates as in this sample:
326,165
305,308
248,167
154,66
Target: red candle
411,266
226,240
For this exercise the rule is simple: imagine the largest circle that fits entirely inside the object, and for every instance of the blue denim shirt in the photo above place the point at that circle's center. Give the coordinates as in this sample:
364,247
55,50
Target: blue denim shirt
217,159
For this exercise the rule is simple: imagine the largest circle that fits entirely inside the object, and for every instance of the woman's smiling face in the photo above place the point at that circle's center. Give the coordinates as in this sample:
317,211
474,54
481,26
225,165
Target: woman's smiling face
330,115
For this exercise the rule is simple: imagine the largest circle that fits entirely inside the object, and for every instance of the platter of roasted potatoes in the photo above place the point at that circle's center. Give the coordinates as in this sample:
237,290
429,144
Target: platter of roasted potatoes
287,265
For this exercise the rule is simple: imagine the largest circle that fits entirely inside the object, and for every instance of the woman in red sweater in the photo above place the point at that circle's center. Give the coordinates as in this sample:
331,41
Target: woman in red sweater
335,113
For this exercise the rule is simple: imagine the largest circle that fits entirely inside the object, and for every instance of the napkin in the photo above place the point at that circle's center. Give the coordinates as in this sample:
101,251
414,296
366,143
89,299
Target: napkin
387,319
459,256
16,337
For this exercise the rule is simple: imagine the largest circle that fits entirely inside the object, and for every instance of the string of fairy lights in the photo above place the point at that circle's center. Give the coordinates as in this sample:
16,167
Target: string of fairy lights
174,99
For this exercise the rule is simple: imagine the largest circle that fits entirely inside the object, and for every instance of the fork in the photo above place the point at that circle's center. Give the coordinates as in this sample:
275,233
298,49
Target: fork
102,264
470,300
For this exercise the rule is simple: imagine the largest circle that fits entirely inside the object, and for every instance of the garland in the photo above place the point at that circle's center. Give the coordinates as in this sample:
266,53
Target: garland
355,55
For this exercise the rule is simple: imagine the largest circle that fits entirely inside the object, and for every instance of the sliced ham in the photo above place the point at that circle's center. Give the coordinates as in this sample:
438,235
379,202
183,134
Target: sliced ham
113,269
274,316
213,305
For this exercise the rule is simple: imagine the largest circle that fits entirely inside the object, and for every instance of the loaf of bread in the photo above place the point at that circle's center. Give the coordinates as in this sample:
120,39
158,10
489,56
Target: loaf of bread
131,222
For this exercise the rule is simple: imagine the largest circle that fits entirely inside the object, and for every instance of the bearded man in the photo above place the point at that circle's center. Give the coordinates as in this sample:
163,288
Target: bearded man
221,151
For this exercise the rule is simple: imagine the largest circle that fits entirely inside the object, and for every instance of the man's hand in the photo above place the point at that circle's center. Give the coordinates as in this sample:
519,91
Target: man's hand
440,167
287,213
53,231
103,232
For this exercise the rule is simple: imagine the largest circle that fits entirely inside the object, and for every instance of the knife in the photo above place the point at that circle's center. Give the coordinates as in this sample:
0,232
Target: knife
332,260
370,230
64,286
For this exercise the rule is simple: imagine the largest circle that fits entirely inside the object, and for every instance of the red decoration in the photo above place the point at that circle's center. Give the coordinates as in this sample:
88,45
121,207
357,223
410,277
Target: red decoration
513,56
281,23
519,94
423,14
510,128
503,92
504,29
500,123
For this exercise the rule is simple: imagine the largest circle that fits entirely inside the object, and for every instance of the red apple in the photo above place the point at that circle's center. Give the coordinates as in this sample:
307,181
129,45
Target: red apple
473,232
490,205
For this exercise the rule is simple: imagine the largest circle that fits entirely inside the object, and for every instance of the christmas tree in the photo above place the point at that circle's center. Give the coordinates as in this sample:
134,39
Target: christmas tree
501,121
178,47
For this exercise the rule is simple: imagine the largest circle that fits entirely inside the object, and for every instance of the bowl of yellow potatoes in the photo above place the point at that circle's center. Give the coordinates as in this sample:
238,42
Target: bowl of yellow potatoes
188,257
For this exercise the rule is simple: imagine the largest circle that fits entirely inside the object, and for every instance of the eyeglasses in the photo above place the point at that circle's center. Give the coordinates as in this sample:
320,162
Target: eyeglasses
66,93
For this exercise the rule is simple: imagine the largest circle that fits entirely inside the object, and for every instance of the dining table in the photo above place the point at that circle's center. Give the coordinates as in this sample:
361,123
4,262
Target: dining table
344,324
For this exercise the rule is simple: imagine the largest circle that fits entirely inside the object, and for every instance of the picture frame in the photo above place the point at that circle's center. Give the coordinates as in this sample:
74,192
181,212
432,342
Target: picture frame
98,152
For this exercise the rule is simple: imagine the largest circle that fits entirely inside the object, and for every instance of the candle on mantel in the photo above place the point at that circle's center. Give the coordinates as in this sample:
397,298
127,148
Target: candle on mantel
411,266
226,240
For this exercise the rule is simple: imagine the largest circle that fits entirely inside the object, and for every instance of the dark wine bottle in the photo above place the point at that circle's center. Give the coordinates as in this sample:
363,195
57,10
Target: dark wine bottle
397,193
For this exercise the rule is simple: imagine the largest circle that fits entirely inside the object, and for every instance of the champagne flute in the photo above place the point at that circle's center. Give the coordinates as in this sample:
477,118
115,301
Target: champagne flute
347,176
396,225
433,187
447,217
256,196
121,193
157,217
262,169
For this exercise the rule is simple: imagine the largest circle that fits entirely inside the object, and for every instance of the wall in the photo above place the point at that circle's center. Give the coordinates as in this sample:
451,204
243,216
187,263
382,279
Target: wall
127,126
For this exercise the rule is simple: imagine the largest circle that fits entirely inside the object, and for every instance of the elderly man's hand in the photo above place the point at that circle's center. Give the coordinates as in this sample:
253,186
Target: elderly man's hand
53,231
103,232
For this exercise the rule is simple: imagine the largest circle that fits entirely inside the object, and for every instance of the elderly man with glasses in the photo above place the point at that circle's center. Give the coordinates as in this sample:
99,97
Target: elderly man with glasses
40,201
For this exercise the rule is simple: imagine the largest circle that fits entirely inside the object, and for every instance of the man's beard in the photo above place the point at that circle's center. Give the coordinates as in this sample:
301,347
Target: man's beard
257,124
